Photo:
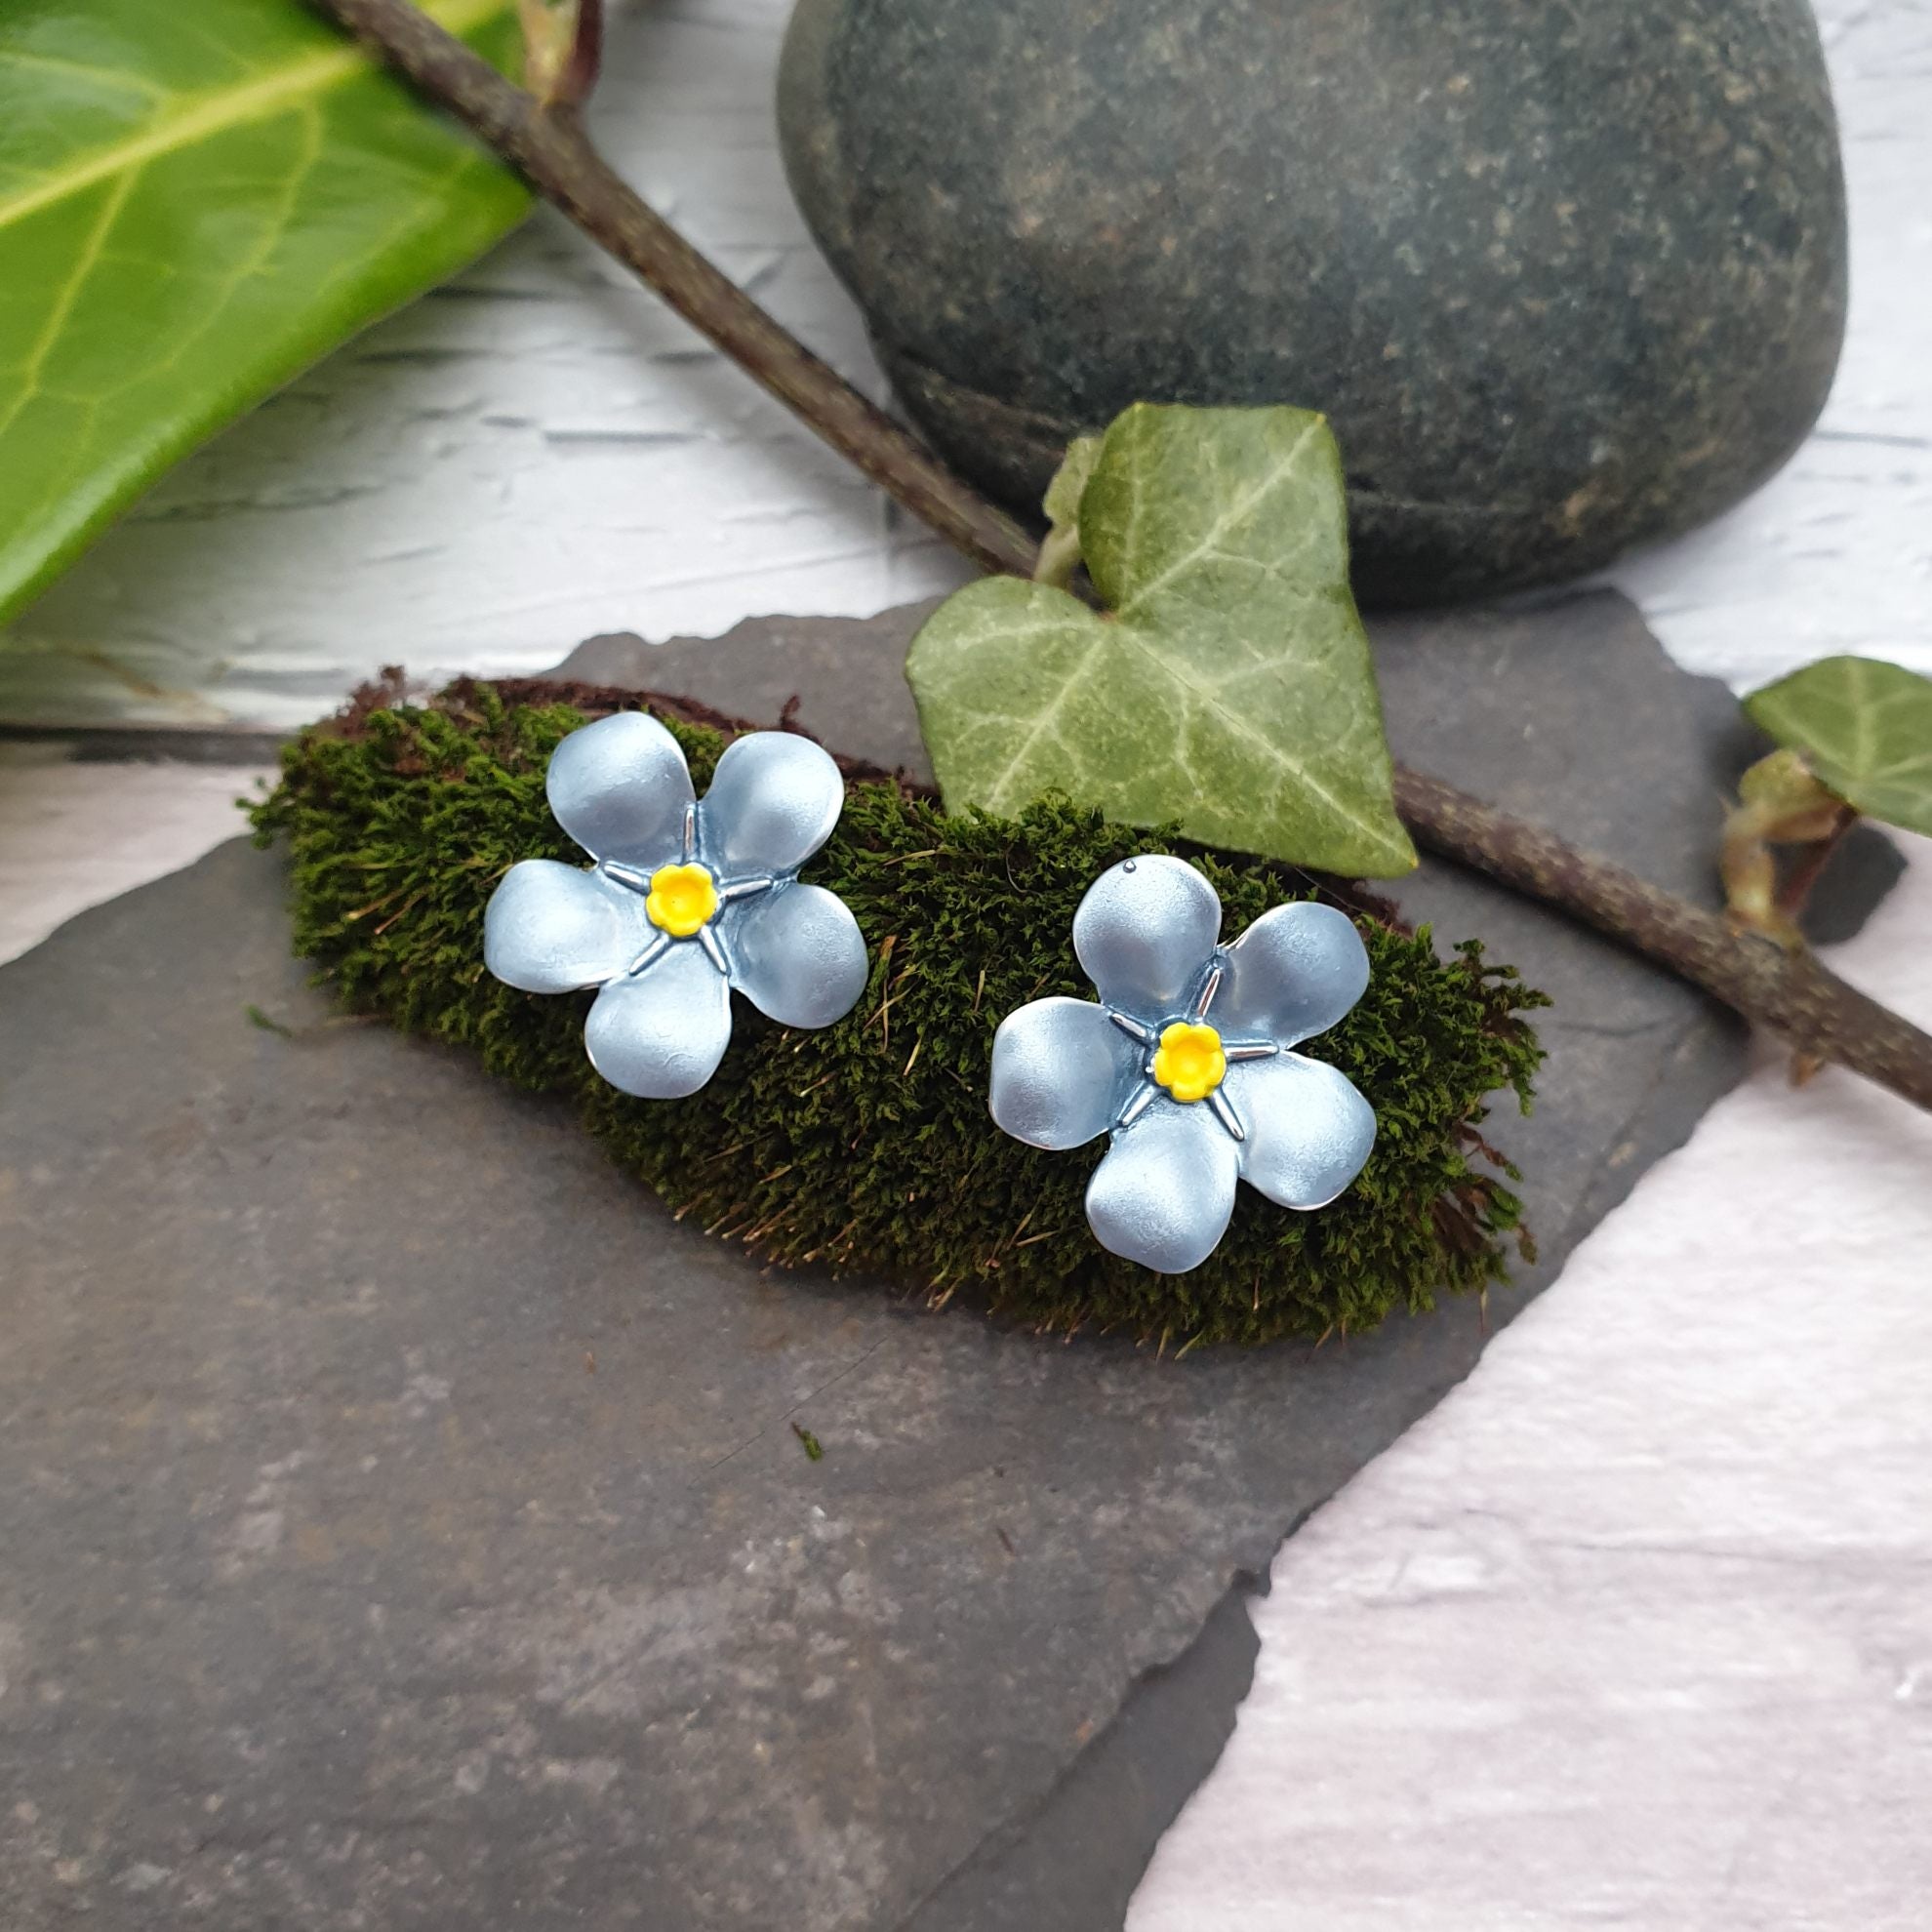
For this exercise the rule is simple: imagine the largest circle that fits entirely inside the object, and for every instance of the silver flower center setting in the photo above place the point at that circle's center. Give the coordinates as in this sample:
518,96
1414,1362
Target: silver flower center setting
1185,1061
686,900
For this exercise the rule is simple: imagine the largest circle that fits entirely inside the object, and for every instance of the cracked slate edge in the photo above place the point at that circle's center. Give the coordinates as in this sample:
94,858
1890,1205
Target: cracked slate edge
1124,1789
203,931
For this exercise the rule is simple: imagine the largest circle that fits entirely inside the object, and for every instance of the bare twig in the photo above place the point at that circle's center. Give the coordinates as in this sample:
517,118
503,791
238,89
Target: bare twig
552,152
1817,1012
1791,993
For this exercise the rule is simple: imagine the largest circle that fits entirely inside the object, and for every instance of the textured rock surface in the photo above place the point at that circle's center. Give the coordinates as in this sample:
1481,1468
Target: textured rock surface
403,1519
1565,278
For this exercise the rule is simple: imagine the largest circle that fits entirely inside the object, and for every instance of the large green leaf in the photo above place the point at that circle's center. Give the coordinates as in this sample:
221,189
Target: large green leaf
1865,729
197,199
1225,688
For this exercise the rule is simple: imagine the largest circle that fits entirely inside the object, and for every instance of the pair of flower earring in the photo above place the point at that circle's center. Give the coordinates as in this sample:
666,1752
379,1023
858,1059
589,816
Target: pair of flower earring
1186,1059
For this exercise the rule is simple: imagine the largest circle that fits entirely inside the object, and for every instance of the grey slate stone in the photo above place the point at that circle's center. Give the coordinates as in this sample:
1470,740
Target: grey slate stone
402,1518
1566,278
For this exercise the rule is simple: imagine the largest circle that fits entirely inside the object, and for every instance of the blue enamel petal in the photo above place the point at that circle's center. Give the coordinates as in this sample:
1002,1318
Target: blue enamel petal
554,928
620,788
1294,973
1309,1131
773,802
1163,1194
1061,1071
1145,934
661,1035
797,954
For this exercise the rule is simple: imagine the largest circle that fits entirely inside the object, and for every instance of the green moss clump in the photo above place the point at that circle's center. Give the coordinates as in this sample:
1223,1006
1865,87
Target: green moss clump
867,1146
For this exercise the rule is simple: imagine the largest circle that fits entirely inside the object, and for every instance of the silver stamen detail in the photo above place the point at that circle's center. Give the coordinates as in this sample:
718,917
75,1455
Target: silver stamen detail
744,888
626,875
1249,1049
1224,1112
1209,987
690,831
1131,1028
650,953
713,950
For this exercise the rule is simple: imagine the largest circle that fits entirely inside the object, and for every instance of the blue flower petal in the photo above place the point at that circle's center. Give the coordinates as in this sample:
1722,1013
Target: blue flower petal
1061,1071
773,802
1309,1131
1145,934
1164,1193
797,954
554,928
1294,973
661,1035
620,788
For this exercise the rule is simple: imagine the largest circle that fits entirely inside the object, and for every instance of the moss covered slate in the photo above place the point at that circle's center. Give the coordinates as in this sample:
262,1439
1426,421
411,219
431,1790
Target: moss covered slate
868,1147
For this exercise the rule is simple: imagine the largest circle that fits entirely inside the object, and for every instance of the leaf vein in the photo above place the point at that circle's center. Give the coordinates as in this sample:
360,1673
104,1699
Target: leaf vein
1241,507
68,293
1283,759
216,111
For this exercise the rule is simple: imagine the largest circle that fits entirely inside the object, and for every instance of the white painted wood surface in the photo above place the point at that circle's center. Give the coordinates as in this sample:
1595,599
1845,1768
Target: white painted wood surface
72,835
1636,1629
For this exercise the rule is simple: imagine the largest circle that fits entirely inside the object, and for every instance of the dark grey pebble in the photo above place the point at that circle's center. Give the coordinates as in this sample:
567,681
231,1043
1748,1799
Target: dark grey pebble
1566,278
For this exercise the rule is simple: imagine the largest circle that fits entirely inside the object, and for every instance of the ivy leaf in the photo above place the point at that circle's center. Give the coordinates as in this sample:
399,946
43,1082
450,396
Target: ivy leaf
1061,501
197,199
1225,688
1865,729
1060,548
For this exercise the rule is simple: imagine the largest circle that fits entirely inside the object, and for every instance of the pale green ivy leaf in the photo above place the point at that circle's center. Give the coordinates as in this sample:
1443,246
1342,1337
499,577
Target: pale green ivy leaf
1865,729
1227,685
1061,501
1060,548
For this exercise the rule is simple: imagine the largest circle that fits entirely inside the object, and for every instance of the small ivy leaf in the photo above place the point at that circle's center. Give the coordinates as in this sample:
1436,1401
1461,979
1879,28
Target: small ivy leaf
1060,548
1226,688
1061,501
1865,729
1785,800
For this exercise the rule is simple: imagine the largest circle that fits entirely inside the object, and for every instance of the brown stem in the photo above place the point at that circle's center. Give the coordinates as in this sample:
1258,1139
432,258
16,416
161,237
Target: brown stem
552,153
1791,993
1817,854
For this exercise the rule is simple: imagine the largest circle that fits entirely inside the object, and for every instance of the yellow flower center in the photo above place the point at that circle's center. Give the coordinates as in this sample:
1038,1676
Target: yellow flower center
682,898
1189,1063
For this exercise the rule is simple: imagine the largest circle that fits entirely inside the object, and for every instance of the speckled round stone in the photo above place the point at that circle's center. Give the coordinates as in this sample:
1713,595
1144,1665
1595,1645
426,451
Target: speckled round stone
1565,278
